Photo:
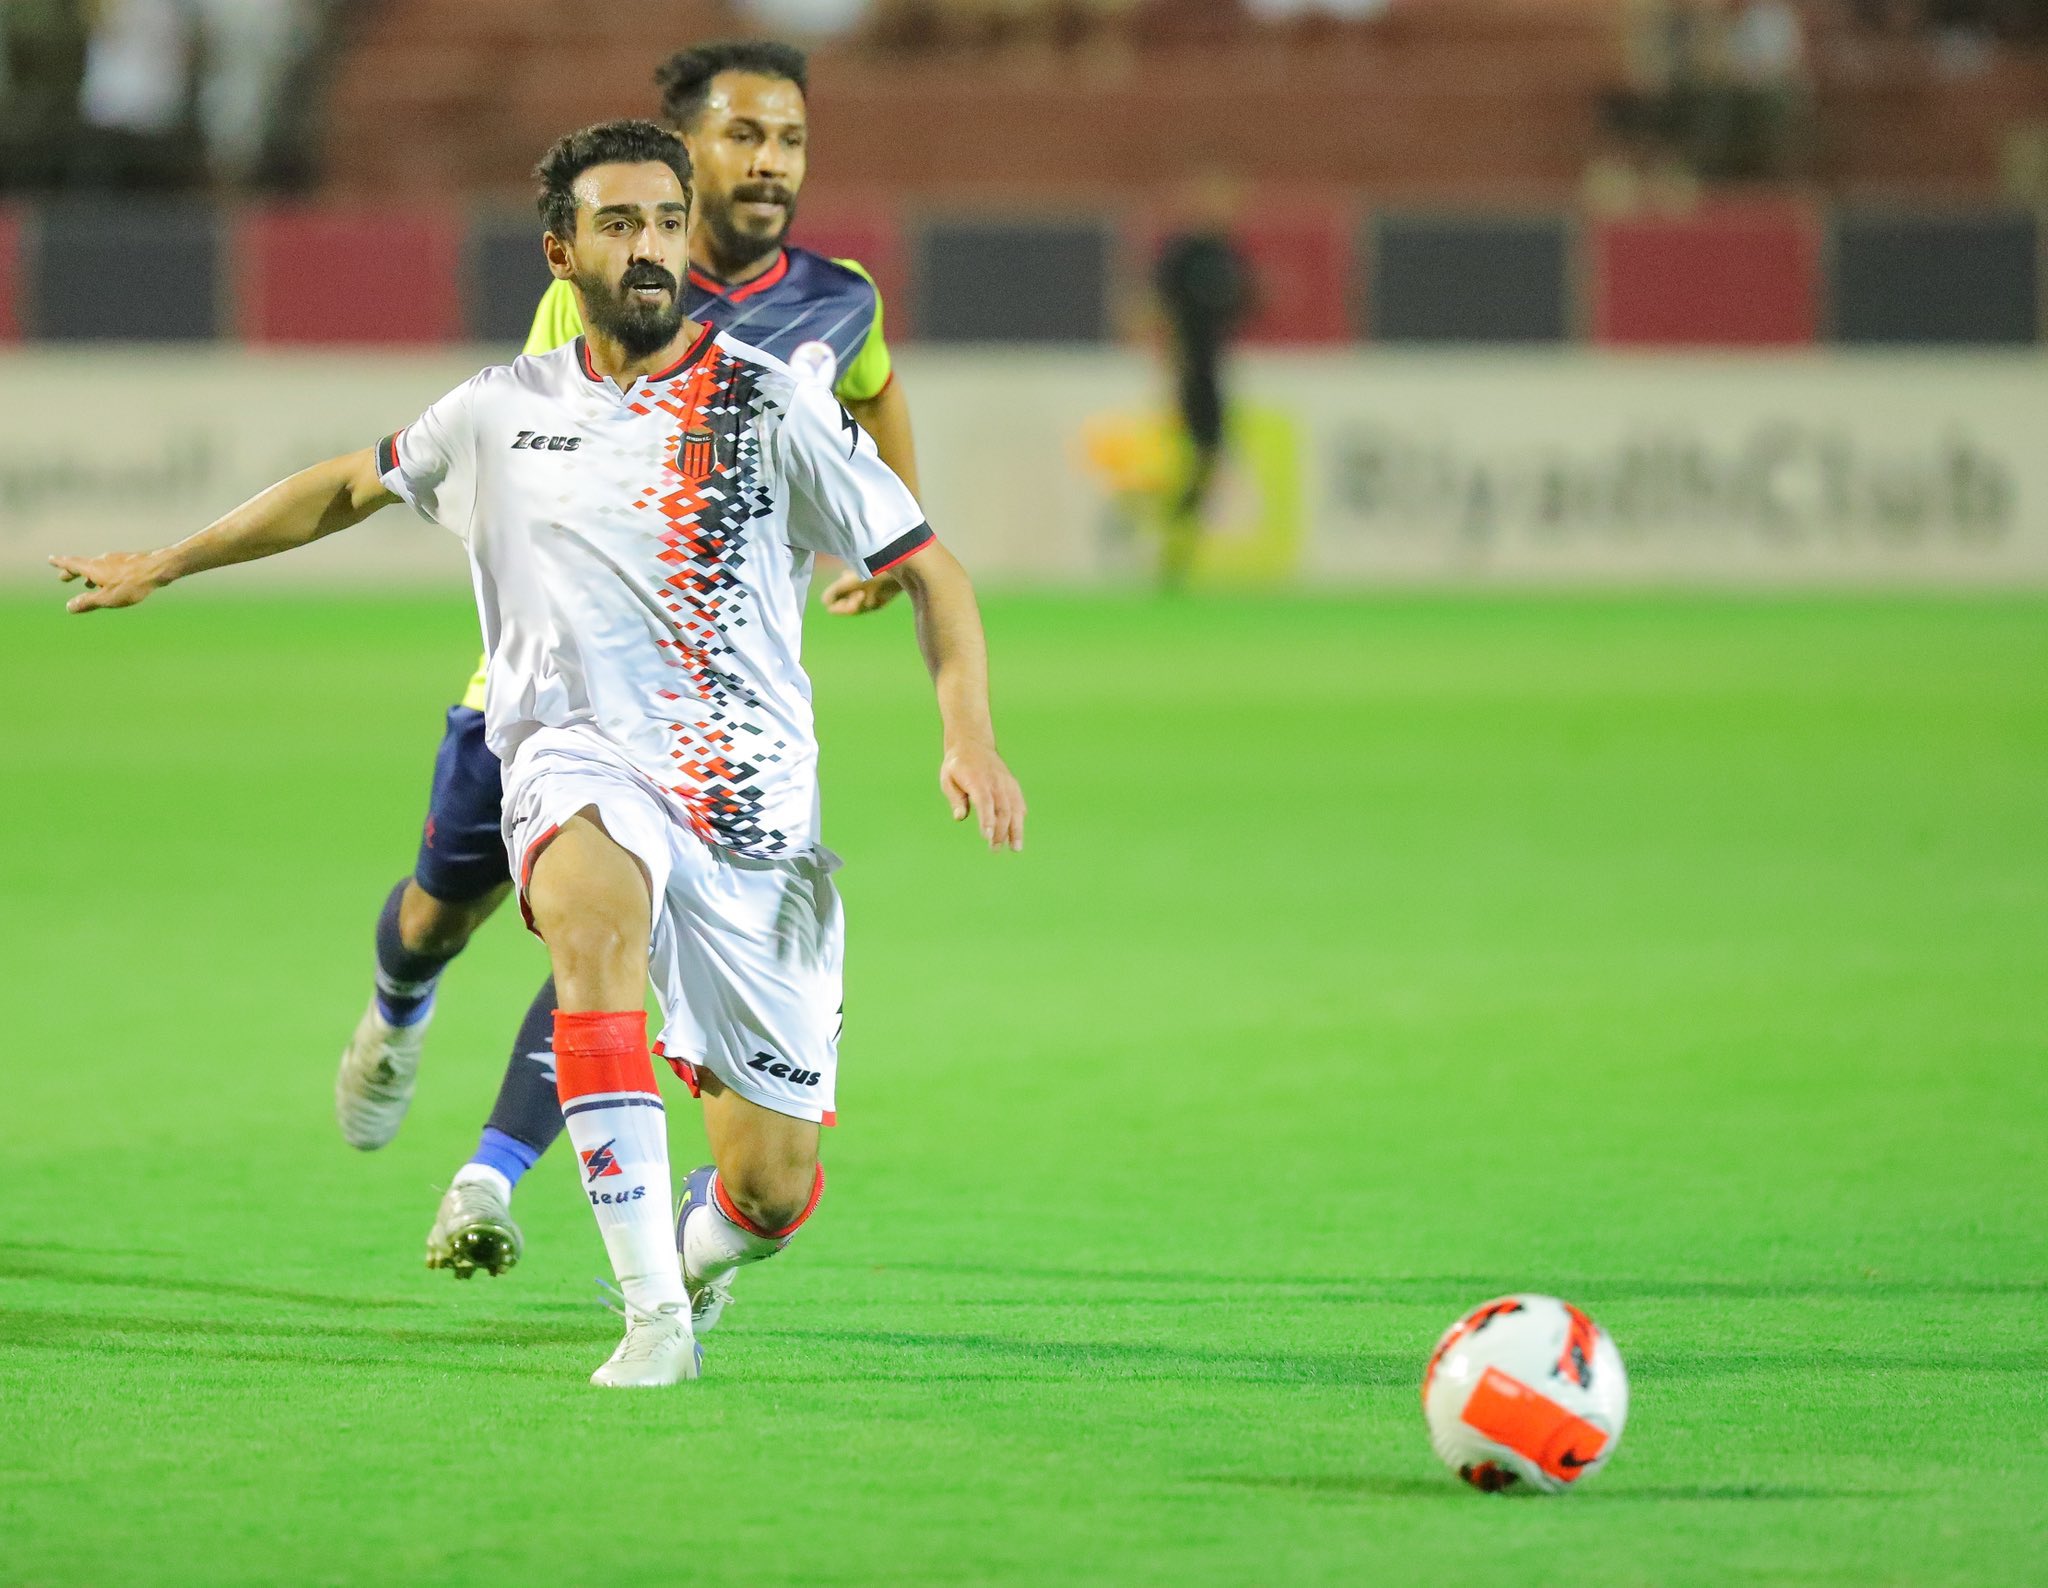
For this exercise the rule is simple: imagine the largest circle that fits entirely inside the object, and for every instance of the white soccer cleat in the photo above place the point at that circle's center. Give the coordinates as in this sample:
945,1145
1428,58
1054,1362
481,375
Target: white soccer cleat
659,1349
474,1229
374,1086
708,1301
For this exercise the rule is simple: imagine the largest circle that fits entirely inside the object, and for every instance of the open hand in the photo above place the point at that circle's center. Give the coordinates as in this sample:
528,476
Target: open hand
112,579
973,778
850,593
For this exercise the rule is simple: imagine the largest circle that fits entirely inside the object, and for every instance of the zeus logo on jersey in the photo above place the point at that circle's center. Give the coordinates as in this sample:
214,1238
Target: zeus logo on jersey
769,1064
610,1199
530,442
599,1162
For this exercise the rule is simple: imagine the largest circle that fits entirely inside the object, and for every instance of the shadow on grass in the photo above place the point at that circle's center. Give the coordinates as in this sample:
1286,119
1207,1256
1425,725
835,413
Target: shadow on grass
1462,1289
1447,1488
23,1268
78,1249
1028,1358
313,1344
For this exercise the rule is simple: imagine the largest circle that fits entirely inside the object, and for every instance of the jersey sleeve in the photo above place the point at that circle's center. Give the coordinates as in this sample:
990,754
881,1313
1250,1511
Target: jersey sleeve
556,321
869,369
431,463
846,501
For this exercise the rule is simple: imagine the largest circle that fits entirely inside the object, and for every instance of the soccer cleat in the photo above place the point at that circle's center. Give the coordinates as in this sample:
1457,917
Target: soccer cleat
658,1349
708,1297
374,1086
474,1229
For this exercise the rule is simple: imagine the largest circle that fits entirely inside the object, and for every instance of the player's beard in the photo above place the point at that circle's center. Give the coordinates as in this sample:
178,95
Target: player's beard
638,328
734,247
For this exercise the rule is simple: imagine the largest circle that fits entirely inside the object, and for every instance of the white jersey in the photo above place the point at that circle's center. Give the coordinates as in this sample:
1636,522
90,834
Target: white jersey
641,559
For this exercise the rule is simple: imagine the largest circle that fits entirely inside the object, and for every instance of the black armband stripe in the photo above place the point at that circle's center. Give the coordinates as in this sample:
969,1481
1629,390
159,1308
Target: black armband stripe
904,545
387,454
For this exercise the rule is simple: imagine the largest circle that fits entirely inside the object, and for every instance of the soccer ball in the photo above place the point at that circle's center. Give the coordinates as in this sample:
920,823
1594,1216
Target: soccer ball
1525,1390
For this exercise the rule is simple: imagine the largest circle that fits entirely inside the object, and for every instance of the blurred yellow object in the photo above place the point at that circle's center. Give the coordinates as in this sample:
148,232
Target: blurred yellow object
1252,531
1134,454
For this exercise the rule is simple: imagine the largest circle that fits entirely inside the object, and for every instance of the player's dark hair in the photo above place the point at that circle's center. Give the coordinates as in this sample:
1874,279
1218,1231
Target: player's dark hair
607,143
685,77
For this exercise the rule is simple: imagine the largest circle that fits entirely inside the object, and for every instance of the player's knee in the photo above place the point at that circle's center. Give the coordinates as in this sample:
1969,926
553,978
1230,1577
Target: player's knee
772,1196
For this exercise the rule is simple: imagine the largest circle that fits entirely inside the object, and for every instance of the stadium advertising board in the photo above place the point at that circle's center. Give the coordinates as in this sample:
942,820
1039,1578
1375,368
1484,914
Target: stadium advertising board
1052,466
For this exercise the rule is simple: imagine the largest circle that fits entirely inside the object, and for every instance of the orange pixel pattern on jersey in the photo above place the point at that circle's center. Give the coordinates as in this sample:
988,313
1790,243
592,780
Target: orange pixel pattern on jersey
710,471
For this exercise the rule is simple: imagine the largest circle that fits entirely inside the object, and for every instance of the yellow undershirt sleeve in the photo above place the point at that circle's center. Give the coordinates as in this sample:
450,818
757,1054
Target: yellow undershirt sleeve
557,322
869,372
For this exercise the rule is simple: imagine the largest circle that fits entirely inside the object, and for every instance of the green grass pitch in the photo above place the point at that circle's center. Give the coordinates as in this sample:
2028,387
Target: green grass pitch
1686,957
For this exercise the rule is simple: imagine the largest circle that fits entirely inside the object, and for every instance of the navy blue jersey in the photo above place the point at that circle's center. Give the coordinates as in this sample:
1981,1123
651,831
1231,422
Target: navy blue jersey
817,315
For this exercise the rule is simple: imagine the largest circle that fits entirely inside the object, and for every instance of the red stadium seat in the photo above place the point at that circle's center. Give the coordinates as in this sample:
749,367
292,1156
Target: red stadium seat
348,276
13,282
1735,275
1300,254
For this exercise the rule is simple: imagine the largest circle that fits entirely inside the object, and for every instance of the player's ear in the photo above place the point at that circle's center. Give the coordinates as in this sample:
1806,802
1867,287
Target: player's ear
561,265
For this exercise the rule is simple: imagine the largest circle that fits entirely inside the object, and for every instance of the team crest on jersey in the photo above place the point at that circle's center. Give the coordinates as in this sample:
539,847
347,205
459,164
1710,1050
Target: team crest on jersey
697,453
815,363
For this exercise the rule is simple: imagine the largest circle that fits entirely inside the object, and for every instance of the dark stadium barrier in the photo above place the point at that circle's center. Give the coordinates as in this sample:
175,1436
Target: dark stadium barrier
503,276
1466,278
133,272
307,276
1743,275
1756,275
1956,278
1013,281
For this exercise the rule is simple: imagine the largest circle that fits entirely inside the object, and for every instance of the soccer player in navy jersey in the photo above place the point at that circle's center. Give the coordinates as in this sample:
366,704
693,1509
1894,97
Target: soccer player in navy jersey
740,108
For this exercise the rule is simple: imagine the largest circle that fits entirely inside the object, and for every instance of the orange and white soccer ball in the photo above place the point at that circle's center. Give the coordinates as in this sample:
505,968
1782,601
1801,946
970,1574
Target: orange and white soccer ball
1525,1390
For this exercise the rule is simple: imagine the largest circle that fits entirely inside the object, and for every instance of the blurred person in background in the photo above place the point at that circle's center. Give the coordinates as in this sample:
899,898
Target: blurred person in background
1765,98
741,111
156,68
1645,158
42,58
807,19
1715,91
1204,288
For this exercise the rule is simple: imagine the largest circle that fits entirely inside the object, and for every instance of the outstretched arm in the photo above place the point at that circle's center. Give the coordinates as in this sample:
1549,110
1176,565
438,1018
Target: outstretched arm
972,775
294,512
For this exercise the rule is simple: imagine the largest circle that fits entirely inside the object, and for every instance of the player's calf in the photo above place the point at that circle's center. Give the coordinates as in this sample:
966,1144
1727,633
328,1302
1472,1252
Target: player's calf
417,935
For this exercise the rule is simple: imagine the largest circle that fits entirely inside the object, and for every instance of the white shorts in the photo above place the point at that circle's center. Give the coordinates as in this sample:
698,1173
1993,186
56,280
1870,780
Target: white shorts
746,956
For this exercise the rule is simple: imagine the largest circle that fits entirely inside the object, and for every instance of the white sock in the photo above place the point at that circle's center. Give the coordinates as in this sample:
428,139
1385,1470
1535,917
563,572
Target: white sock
615,1119
472,1172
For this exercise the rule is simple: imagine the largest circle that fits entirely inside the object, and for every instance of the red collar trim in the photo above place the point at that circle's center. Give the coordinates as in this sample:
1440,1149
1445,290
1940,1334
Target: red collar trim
696,352
761,283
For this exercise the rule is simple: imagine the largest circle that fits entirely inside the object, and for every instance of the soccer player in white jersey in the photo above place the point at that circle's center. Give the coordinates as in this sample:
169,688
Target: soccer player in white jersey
641,509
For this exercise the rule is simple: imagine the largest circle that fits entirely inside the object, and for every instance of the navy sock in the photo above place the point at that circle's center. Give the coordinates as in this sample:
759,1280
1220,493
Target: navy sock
405,980
510,1156
528,1114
